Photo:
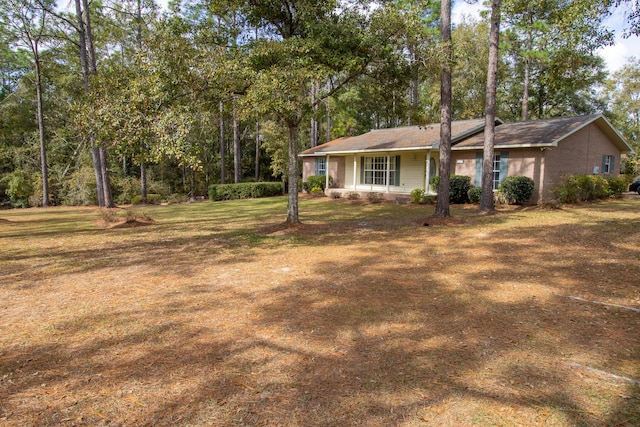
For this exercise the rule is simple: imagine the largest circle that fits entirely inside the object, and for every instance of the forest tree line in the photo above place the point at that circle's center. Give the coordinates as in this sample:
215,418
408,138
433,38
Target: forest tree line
105,101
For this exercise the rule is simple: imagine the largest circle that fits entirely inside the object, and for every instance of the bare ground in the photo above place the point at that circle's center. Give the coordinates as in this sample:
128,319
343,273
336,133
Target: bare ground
361,316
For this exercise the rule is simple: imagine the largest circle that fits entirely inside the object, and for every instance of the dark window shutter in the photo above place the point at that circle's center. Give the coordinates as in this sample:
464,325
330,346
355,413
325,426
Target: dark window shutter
504,165
613,164
396,179
478,177
361,170
604,164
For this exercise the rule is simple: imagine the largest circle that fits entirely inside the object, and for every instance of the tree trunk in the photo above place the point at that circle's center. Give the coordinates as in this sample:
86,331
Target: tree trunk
328,122
442,204
237,152
486,200
527,82
257,151
222,145
314,121
40,118
292,206
95,156
106,181
143,181
83,47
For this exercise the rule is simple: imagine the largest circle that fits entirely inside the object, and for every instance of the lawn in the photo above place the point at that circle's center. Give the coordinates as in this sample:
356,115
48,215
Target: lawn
216,315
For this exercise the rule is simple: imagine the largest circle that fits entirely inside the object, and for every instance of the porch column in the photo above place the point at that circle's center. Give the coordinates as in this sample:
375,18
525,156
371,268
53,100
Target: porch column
355,172
326,173
388,172
428,169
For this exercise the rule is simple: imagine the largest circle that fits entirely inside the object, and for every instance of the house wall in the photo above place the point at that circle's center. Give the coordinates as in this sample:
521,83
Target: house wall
579,154
336,170
464,163
308,167
413,169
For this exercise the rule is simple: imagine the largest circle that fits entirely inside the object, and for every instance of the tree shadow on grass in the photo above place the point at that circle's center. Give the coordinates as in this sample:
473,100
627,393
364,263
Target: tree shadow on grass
407,327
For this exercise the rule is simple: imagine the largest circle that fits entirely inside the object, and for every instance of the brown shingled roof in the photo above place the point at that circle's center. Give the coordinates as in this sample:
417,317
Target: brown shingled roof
469,135
531,133
397,138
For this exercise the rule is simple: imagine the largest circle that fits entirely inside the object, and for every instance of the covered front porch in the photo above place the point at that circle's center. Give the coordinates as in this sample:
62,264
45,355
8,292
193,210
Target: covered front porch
392,173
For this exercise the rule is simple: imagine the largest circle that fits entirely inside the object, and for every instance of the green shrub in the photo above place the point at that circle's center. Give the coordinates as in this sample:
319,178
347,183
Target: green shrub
317,192
582,188
124,189
434,183
19,188
417,195
316,181
474,195
80,188
245,190
177,198
152,199
375,197
517,189
617,185
459,186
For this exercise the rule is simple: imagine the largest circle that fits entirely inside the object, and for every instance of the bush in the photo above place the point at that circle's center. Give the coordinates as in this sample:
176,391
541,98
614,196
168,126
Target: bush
617,185
80,188
152,199
317,192
352,195
417,195
335,194
434,183
474,195
517,189
177,198
459,186
375,197
316,181
583,188
19,188
245,190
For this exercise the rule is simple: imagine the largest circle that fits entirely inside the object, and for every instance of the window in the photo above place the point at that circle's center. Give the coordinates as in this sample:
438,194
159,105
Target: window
496,171
608,164
500,168
374,170
320,166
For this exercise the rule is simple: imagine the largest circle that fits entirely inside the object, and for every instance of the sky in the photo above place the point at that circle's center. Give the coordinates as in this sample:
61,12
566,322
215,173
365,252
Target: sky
615,56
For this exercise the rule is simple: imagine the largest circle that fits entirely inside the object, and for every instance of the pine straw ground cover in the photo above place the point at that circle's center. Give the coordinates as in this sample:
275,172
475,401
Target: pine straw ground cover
214,315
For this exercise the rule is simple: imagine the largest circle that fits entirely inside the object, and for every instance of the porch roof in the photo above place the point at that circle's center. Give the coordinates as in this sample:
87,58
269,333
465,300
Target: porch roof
397,139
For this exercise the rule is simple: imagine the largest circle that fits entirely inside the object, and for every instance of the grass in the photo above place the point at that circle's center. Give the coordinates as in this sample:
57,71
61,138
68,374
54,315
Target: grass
215,314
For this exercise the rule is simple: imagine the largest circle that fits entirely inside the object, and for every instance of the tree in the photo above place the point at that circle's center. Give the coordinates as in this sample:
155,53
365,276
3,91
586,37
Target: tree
442,204
306,40
622,93
486,200
28,22
553,46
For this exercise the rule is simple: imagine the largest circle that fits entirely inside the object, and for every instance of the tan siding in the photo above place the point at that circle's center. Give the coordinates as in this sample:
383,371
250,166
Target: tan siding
348,172
412,172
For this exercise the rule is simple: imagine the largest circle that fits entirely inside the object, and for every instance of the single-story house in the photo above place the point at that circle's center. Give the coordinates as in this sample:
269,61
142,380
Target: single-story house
396,161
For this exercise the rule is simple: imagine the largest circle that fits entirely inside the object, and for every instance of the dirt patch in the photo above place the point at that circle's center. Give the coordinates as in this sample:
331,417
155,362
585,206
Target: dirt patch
5,221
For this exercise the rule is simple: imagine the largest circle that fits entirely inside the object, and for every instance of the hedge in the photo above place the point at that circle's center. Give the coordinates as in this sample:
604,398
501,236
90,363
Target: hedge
244,190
